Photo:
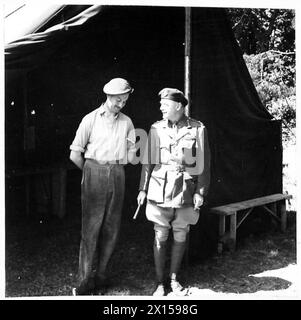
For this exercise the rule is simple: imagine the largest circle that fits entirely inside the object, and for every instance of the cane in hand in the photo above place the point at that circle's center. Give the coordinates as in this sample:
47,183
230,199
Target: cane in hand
137,211
140,199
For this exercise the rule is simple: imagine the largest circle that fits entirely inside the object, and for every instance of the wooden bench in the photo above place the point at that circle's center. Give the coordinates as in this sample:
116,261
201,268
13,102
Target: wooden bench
232,210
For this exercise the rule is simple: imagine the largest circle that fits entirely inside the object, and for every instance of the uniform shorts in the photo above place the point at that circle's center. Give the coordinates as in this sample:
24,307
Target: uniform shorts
177,219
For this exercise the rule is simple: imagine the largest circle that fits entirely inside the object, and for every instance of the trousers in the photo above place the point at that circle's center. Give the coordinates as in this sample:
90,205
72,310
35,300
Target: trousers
102,194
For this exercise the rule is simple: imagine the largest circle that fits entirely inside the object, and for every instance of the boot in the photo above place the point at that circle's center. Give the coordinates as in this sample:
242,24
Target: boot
177,253
159,257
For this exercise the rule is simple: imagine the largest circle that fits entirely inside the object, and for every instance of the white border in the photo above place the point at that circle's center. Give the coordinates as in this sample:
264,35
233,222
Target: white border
280,4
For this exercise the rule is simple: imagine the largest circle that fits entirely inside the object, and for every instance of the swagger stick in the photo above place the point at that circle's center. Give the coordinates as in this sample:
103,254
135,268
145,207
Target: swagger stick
136,212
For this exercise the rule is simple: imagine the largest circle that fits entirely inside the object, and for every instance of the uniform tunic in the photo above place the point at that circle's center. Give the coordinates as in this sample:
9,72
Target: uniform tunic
178,163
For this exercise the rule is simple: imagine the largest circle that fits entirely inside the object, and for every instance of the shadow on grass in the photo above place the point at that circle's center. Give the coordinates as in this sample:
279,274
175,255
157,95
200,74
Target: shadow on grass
236,272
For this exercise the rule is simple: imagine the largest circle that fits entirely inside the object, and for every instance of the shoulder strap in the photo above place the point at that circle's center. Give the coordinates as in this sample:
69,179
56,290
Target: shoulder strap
93,122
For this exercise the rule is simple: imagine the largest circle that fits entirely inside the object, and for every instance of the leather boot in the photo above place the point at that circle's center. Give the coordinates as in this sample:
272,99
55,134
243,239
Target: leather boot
177,253
159,257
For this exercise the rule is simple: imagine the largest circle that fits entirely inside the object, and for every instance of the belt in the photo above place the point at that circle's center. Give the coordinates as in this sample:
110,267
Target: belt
104,163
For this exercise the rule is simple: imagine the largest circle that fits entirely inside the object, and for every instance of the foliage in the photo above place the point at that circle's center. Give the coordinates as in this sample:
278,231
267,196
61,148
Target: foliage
267,40
261,30
274,78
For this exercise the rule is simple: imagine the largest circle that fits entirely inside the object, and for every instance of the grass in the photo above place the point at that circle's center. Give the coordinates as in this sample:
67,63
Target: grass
42,260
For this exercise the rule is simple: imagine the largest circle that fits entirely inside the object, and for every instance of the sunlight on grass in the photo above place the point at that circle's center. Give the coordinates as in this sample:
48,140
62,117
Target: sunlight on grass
288,273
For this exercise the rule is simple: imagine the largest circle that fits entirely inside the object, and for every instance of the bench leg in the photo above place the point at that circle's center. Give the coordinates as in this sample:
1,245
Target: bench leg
274,209
283,216
221,233
233,231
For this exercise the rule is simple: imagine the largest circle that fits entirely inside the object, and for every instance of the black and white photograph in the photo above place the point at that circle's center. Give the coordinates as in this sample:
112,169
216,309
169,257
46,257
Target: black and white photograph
150,151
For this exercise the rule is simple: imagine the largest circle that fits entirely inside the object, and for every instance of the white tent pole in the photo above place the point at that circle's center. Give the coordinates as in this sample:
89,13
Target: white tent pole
187,56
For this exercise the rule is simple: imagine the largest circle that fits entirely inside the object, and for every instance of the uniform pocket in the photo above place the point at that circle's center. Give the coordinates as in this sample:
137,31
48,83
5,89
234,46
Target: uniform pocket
156,187
188,143
189,151
164,151
189,187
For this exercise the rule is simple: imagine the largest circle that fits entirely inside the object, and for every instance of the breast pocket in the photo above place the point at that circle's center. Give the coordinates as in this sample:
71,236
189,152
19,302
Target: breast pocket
188,143
164,151
188,149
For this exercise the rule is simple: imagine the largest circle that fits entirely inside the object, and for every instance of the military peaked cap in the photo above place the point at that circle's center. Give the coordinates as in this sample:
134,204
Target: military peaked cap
174,95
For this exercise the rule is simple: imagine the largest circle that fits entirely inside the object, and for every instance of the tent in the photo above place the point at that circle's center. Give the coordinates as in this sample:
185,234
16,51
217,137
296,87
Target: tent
55,74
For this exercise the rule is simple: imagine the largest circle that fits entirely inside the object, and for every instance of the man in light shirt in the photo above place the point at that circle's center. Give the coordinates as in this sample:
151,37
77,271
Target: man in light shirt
103,144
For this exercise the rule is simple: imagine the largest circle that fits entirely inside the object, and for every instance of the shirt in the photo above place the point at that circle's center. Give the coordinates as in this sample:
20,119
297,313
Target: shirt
103,139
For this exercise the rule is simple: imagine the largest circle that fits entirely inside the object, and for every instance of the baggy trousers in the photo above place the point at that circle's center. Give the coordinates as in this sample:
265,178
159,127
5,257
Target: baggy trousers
102,193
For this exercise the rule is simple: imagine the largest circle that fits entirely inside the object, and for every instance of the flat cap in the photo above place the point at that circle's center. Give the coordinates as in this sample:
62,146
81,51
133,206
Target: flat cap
117,86
174,95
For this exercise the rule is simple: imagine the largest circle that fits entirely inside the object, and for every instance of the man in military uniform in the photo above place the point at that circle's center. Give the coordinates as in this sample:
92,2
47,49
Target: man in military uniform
175,180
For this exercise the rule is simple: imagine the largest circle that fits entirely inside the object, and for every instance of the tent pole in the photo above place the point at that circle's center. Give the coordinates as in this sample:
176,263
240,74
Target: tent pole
187,56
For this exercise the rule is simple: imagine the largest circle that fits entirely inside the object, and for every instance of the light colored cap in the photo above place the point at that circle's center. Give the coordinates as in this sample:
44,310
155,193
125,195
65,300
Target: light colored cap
117,86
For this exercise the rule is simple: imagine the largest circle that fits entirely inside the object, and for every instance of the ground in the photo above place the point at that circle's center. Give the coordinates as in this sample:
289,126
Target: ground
41,256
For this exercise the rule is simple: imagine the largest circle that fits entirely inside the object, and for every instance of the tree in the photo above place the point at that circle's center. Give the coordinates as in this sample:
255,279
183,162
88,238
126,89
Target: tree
261,30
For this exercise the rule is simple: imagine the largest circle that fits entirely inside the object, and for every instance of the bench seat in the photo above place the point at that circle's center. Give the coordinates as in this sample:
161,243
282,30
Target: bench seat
232,210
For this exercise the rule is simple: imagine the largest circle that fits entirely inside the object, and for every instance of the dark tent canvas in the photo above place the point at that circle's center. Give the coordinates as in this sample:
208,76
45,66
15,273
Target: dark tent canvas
54,77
